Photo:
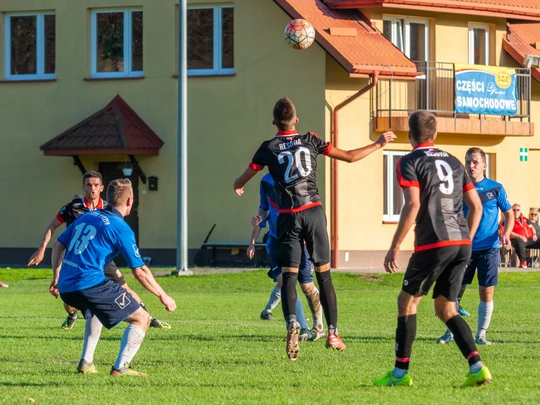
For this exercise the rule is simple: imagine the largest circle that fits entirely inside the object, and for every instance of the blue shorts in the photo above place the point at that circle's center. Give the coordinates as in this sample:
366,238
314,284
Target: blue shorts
107,300
487,264
305,272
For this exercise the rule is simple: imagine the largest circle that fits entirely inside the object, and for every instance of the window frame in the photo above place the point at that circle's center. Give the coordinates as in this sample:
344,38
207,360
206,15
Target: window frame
406,39
391,216
218,46
472,27
127,44
40,47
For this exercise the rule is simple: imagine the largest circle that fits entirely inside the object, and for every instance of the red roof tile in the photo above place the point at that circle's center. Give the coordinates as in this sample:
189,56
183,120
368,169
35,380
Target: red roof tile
522,9
521,40
366,53
114,130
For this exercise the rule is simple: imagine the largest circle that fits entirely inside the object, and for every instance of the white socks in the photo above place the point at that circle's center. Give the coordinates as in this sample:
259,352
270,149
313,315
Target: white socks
485,309
131,342
92,332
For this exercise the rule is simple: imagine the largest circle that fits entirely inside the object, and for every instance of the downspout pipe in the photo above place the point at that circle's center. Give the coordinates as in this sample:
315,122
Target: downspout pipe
334,230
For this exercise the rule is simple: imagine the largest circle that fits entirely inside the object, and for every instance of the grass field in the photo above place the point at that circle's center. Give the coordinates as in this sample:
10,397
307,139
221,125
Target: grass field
219,351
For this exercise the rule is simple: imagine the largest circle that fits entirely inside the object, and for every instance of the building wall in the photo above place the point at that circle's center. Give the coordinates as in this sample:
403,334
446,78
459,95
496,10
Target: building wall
228,118
363,237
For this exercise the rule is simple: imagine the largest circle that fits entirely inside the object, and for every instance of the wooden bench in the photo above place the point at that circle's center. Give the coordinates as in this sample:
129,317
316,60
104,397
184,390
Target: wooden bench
230,254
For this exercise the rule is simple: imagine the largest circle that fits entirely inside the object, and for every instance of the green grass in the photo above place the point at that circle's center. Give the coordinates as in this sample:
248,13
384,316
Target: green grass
219,351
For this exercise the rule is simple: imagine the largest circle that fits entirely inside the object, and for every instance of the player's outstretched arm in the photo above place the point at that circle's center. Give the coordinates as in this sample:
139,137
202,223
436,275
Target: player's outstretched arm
38,255
58,252
147,280
241,181
355,155
406,220
474,204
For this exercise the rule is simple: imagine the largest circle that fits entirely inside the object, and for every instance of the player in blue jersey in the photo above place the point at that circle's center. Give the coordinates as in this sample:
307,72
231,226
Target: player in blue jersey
79,257
269,213
486,245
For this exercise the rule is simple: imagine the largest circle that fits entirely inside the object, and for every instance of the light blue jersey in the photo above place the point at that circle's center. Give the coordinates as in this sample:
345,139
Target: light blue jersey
91,242
493,197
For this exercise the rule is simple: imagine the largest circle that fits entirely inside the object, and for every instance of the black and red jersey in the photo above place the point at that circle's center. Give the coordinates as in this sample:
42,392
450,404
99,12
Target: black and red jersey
442,179
292,161
69,212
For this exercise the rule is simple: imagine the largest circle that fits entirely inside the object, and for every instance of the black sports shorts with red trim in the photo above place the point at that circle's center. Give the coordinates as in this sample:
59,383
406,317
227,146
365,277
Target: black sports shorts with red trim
309,226
444,267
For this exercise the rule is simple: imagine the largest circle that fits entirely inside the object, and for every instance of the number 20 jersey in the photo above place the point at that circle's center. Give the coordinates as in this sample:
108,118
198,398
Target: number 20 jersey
442,181
292,161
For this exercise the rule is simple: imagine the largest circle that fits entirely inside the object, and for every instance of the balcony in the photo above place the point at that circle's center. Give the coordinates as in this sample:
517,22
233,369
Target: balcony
434,90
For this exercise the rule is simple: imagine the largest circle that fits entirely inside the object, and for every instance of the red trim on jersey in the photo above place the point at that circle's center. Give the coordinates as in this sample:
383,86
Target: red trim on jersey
424,145
401,181
468,187
88,204
255,166
294,210
59,218
328,149
287,133
443,244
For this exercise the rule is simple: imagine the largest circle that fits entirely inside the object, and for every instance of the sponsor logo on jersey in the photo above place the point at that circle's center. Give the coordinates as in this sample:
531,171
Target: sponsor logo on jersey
436,153
122,301
490,195
70,263
288,145
136,251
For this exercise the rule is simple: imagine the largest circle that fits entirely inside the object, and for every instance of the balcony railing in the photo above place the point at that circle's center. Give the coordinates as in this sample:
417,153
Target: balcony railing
434,91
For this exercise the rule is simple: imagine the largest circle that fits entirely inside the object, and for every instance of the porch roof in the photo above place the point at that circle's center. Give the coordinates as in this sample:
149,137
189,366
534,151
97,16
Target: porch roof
520,9
523,38
113,130
349,37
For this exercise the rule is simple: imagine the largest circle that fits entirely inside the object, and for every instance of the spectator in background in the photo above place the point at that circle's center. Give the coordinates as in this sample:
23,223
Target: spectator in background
533,221
523,236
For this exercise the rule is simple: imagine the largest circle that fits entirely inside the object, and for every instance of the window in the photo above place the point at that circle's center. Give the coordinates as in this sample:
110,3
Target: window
30,46
117,43
478,44
210,40
409,35
393,195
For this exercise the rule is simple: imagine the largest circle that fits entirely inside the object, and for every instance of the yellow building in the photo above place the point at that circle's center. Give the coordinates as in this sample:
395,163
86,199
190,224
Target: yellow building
66,62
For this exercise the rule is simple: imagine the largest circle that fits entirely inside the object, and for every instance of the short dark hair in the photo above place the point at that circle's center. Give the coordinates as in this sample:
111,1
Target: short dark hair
284,114
472,150
422,126
92,174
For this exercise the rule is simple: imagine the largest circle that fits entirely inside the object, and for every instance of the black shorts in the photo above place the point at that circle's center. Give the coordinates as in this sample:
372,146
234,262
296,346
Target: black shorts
111,271
442,266
109,302
309,226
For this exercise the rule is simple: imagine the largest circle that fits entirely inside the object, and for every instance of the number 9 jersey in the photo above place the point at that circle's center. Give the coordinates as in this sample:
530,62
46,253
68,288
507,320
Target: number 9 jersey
442,180
292,161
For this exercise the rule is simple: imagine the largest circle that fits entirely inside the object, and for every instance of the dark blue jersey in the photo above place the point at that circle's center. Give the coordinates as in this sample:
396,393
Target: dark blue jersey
266,191
92,241
493,197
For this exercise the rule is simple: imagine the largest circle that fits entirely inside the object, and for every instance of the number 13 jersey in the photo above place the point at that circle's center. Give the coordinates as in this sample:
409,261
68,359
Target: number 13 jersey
442,180
292,161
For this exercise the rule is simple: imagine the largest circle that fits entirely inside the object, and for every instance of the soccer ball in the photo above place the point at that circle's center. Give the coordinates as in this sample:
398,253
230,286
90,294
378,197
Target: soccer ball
299,34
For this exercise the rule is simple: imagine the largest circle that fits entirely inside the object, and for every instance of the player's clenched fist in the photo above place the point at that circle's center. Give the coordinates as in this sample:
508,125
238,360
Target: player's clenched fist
386,137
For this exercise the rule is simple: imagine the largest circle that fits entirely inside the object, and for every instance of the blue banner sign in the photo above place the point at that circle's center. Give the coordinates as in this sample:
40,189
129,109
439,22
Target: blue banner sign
489,90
